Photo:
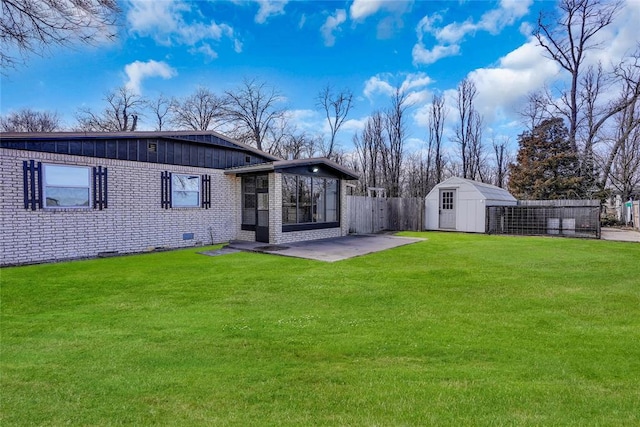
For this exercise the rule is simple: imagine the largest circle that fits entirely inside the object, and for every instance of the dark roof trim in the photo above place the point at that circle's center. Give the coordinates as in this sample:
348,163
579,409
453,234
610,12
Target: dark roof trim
169,135
284,165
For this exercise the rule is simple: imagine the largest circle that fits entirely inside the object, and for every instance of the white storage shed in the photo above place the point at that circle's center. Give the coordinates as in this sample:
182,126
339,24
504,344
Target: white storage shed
460,204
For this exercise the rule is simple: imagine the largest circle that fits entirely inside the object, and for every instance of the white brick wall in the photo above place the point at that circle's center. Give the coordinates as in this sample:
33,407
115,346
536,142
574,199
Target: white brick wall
275,208
299,236
134,220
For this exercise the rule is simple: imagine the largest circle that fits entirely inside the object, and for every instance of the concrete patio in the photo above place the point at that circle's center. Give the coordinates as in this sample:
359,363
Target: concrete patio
620,234
329,250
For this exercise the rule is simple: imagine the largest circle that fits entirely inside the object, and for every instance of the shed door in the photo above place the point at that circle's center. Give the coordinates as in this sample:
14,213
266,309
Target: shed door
448,209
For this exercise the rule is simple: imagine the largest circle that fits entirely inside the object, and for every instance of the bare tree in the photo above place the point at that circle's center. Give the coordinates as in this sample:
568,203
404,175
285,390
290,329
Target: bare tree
566,40
368,145
500,151
618,163
421,174
627,115
437,116
624,174
121,113
380,147
297,145
477,157
161,107
417,179
252,109
336,107
468,133
28,120
202,110
29,26
393,151
536,109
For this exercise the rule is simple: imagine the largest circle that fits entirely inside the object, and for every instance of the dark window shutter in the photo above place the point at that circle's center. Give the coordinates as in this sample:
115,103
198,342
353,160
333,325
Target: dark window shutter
206,191
165,189
32,180
99,188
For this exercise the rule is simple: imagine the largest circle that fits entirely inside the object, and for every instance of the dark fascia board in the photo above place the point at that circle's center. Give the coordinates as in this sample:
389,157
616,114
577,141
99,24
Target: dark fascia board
169,135
284,165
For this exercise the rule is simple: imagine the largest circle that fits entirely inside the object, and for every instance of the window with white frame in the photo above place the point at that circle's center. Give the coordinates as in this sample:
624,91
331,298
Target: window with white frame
185,190
66,186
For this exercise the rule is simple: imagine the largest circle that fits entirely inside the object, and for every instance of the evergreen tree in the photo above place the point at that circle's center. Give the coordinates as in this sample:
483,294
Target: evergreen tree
547,165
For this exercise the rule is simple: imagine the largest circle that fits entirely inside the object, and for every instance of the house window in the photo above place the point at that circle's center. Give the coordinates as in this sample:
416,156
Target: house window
289,199
331,200
309,202
447,200
249,200
66,186
185,190
304,198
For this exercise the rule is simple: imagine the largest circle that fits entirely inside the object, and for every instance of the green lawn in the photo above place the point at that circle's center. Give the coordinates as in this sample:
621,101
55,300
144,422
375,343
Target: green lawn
456,330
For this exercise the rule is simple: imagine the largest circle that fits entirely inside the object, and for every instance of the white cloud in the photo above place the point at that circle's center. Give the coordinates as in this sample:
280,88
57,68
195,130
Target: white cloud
206,50
269,8
137,71
526,29
451,35
361,9
509,11
308,121
331,25
502,89
422,55
428,25
177,23
387,26
454,32
619,39
378,85
145,18
352,126
423,112
414,85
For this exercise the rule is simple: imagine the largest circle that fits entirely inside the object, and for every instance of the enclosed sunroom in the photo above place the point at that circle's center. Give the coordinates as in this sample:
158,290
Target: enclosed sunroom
292,200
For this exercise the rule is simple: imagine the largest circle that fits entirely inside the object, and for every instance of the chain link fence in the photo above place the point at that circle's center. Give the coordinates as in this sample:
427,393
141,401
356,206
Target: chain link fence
566,218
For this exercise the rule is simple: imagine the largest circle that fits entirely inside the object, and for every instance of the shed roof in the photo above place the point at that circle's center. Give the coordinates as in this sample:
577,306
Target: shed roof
487,191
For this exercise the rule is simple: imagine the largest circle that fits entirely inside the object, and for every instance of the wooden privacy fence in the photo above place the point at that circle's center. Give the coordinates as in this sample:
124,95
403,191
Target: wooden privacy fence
375,214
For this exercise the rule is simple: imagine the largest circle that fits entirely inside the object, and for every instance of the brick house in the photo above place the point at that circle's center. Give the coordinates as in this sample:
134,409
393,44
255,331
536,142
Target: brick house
80,195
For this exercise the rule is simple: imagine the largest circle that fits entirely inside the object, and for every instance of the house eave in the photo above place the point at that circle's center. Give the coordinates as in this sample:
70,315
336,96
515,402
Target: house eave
283,166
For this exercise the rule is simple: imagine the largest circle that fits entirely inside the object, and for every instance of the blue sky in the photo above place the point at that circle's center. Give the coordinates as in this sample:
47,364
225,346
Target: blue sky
367,46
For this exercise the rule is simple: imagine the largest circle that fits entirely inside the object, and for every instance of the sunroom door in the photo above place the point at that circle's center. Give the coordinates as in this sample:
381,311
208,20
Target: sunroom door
262,209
